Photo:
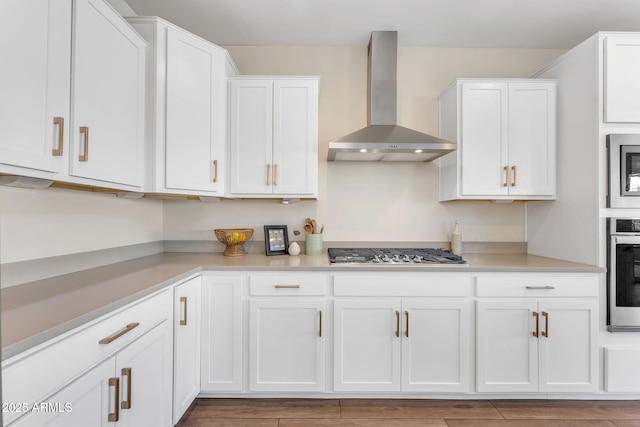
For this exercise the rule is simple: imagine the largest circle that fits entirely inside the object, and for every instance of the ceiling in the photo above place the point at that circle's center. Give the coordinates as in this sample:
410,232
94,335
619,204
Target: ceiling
444,23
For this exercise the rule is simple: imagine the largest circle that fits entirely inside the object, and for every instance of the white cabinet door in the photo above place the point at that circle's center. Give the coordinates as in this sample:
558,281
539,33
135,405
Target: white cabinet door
568,346
88,401
287,345
295,136
35,46
435,345
484,124
532,139
221,343
145,371
621,83
196,91
107,131
367,345
251,136
273,137
507,351
186,353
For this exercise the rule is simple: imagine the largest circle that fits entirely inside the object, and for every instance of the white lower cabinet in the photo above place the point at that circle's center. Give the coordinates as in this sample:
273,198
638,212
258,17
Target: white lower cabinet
538,342
221,347
287,334
186,347
403,344
132,388
118,368
287,345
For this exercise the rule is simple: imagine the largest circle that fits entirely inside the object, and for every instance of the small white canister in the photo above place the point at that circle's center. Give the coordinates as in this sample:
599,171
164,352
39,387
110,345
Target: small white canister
294,249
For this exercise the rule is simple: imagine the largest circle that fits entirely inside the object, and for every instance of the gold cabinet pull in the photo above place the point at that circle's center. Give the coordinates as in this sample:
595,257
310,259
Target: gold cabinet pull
275,174
126,404
59,121
513,182
268,173
545,333
406,331
506,176
115,415
215,171
183,306
535,334
546,287
287,286
112,338
320,326
397,323
84,157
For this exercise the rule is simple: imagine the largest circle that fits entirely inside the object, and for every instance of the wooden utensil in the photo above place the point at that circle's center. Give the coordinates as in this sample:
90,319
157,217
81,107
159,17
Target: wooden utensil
314,226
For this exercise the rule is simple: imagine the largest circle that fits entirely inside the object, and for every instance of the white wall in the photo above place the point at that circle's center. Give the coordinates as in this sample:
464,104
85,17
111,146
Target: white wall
49,222
370,201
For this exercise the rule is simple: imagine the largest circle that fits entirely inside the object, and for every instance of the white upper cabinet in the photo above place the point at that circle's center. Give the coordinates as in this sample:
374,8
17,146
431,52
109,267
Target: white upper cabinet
107,131
35,43
621,83
506,135
73,93
187,106
273,137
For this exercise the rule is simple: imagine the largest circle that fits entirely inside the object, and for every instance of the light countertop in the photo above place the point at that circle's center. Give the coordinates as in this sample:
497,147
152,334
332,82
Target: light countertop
35,312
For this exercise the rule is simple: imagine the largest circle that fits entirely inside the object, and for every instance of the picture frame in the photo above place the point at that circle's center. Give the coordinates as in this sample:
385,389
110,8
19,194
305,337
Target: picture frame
276,240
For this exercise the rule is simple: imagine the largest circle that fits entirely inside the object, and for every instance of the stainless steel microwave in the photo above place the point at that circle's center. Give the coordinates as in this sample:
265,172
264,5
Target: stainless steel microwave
623,152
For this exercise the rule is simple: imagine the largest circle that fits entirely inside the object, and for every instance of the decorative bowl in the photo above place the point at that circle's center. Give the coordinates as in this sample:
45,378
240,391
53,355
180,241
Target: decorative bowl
233,238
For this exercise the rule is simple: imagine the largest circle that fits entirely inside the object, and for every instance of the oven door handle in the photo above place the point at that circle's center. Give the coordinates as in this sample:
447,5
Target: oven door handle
626,240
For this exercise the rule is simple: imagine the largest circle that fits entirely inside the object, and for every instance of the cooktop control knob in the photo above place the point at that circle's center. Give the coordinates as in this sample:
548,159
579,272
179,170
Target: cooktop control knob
396,258
417,259
406,258
385,258
376,259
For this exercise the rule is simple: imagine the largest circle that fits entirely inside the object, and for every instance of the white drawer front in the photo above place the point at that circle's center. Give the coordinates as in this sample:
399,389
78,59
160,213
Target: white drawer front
537,286
33,377
425,285
288,284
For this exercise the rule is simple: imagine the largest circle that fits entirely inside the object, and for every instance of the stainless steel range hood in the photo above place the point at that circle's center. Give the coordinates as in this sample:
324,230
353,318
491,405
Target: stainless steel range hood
384,140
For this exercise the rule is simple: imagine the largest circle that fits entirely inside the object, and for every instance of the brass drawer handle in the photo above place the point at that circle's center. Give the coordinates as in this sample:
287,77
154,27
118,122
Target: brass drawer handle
268,173
126,404
547,287
275,174
287,286
126,329
115,415
513,169
215,171
535,334
397,323
545,333
84,157
183,306
59,121
506,176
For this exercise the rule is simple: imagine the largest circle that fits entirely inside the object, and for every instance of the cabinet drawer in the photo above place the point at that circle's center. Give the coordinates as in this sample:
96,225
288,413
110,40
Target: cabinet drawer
294,284
425,285
537,286
32,377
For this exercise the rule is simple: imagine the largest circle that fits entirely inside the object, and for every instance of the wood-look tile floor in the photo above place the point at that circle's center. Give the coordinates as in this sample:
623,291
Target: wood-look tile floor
410,413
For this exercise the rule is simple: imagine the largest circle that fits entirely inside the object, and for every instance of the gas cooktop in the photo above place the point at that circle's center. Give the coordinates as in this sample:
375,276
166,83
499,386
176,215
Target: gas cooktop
394,256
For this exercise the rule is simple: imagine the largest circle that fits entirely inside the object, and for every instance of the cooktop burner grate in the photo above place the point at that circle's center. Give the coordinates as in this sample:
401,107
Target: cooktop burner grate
394,256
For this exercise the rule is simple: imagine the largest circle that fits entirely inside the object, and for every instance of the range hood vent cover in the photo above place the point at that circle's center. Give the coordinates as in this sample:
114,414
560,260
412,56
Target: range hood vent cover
383,139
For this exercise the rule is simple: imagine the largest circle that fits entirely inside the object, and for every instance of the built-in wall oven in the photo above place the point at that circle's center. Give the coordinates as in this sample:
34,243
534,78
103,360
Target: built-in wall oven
623,274
623,152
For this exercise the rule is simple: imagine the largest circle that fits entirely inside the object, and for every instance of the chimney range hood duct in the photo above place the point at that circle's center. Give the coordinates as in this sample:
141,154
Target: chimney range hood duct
383,140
